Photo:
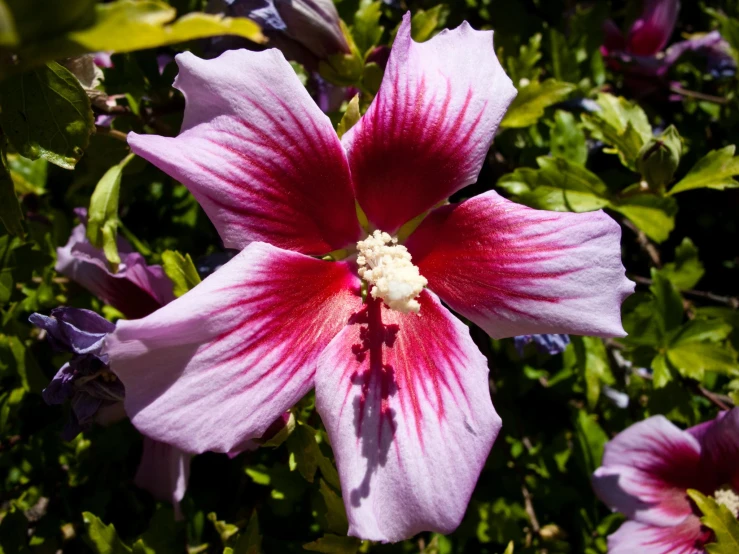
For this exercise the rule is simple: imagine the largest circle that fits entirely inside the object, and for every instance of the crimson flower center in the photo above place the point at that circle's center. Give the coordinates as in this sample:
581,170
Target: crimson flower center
387,268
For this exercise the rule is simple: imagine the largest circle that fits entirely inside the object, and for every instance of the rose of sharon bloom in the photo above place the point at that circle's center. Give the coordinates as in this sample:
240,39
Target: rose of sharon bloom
641,53
137,289
401,388
646,472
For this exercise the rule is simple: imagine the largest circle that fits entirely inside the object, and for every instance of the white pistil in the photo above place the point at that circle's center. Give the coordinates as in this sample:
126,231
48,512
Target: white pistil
387,267
727,497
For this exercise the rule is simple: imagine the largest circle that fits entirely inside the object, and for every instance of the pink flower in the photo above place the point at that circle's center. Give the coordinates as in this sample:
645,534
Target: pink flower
642,56
137,289
649,34
401,388
646,472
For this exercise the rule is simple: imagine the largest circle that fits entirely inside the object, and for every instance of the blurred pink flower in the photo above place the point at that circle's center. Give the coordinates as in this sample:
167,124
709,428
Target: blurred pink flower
642,54
136,289
400,385
646,472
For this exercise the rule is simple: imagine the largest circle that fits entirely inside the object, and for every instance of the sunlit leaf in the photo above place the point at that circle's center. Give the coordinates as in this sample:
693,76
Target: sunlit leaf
46,114
532,99
721,521
714,171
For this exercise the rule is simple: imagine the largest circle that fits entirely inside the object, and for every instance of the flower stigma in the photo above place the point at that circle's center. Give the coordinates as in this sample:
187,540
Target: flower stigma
386,266
726,496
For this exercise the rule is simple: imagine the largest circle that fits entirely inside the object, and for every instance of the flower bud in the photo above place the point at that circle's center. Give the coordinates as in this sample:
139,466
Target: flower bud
659,157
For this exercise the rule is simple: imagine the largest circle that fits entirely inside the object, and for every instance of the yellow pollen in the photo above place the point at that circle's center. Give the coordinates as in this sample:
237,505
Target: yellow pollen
727,497
387,267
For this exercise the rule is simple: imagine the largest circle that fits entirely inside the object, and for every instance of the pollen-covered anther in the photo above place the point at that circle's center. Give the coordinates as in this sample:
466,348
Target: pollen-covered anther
728,497
387,268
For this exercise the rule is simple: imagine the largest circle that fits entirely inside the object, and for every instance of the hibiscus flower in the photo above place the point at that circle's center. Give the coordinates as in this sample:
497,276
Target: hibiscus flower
333,284
646,472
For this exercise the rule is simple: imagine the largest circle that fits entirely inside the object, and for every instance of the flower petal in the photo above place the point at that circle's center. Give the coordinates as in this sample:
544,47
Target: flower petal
634,537
163,471
258,154
518,271
646,471
136,290
649,34
217,366
720,452
406,403
430,126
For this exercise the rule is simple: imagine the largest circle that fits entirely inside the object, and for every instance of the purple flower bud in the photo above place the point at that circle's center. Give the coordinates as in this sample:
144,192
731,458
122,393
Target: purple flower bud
302,29
137,289
546,344
85,380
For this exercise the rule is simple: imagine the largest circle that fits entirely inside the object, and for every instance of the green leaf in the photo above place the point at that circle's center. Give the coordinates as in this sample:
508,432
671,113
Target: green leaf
180,270
687,269
564,60
307,458
591,359
558,185
129,25
720,519
524,66
655,215
698,330
10,209
335,512
14,532
425,22
714,171
367,30
101,538
509,548
661,371
567,139
591,440
350,117
8,33
103,222
693,359
532,99
46,113
250,540
29,176
334,544
668,303
620,124
225,530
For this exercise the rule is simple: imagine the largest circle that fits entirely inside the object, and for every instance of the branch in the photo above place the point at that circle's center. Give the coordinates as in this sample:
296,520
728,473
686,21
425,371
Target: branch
731,301
644,243
112,133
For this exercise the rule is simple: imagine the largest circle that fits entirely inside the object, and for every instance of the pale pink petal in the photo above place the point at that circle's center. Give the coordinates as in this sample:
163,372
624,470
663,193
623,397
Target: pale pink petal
214,368
258,154
720,452
163,471
515,271
634,537
137,289
649,34
406,403
430,126
647,470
